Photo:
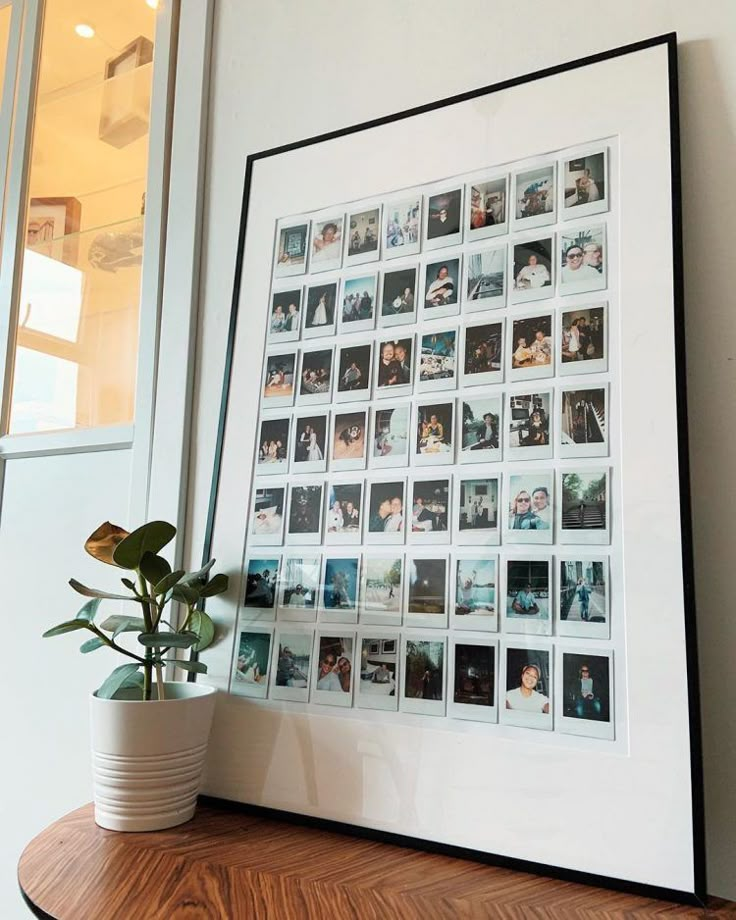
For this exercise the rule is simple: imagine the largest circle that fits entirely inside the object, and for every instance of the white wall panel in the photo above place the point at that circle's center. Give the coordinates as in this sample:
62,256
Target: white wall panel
50,506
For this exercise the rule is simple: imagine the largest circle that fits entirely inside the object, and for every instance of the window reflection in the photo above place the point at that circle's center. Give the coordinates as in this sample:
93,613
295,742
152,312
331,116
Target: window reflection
76,346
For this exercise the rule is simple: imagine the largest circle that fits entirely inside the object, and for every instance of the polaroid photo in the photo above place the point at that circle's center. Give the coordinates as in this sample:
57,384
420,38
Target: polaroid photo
475,592
477,506
528,595
532,269
430,510
349,438
304,516
320,313
344,512
402,226
394,366
385,511
529,426
480,423
326,245
583,609
441,288
358,306
435,433
584,691
261,578
583,418
427,589
443,220
484,286
486,206
290,255
583,259
333,663
530,347
399,296
354,372
299,585
310,442
583,340
272,457
526,684
584,510
339,593
381,589
482,362
253,658
315,377
438,361
279,375
267,509
529,507
285,317
363,241
473,668
534,197
423,665
390,436
585,184
291,663
377,683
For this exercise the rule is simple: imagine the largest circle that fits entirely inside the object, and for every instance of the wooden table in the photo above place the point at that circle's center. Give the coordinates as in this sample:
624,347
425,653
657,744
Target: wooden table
228,864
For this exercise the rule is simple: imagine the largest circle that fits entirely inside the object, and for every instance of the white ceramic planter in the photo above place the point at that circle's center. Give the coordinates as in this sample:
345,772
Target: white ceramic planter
147,758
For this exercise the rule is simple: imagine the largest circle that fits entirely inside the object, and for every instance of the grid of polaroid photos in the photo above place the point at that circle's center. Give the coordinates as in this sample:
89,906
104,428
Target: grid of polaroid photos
430,525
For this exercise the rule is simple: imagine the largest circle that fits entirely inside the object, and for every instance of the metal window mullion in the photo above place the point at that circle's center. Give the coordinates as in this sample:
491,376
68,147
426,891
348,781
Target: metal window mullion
13,240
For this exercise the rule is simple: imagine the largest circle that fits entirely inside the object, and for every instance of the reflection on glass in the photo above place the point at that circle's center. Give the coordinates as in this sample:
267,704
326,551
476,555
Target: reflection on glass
77,335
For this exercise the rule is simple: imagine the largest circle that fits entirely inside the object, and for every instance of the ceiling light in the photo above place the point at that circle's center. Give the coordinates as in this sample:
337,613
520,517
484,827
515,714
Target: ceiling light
84,30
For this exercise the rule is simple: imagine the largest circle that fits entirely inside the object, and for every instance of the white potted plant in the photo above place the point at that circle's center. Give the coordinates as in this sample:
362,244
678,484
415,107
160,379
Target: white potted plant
149,736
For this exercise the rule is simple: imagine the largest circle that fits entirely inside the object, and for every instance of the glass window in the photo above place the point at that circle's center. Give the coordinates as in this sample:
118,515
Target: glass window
77,336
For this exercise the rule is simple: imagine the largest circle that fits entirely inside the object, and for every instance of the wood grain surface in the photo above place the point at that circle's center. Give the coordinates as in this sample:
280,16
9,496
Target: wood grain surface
226,865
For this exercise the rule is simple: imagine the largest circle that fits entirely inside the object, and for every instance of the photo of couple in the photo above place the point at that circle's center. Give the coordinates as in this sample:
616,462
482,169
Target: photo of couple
273,442
335,664
285,315
583,335
394,367
343,507
532,341
530,506
310,439
386,511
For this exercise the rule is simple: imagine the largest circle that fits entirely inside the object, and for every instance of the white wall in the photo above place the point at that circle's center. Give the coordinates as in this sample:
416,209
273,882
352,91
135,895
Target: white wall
50,506
283,71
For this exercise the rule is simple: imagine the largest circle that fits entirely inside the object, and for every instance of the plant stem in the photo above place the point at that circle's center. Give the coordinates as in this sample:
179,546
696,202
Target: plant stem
160,681
113,644
148,621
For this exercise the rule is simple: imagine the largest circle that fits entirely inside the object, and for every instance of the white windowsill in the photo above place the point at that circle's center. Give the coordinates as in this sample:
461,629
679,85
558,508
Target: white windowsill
73,441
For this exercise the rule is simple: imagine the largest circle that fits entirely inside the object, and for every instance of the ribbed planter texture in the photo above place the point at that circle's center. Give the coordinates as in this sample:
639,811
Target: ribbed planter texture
147,757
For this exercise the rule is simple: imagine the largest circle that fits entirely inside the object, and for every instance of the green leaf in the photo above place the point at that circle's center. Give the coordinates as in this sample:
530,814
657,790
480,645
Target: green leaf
168,582
153,568
89,610
116,680
195,667
91,644
150,538
186,594
62,628
134,682
129,584
203,628
170,639
198,577
132,624
215,585
95,592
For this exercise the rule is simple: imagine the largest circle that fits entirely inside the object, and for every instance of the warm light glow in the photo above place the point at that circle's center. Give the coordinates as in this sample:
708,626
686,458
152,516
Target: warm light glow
84,30
152,3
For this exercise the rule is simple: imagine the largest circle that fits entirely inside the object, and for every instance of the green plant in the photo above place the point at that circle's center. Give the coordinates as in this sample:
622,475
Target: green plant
154,586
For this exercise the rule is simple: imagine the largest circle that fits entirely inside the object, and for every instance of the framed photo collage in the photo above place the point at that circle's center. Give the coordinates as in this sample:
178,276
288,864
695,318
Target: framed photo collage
430,526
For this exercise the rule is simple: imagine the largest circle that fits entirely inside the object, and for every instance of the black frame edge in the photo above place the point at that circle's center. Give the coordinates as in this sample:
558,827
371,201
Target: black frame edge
699,893
688,566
